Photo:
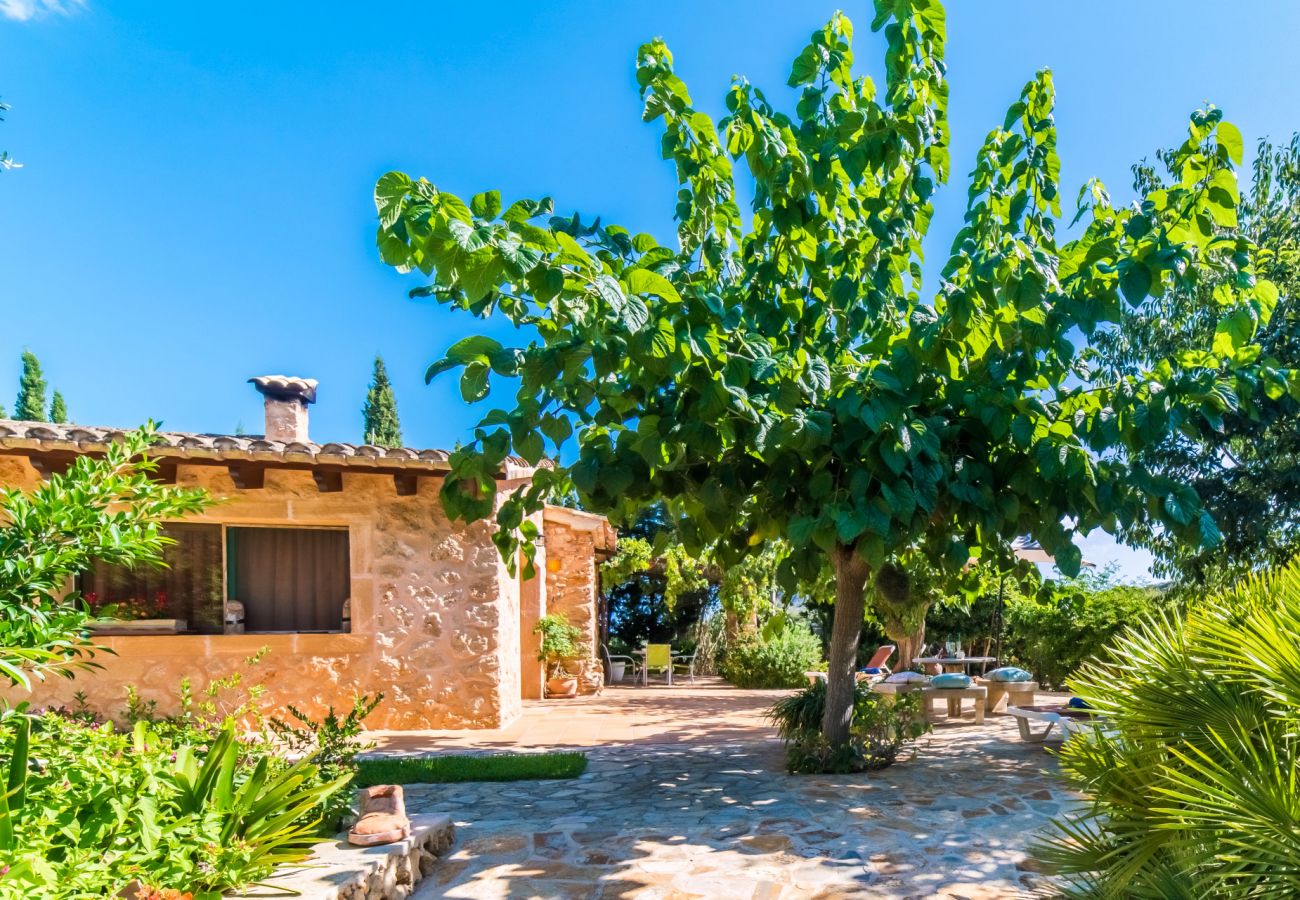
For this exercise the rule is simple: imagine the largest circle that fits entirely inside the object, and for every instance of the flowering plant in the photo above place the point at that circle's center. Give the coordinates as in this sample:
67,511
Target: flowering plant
129,610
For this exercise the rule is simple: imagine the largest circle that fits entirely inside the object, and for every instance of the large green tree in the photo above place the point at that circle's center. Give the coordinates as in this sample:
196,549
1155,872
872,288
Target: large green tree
30,405
379,412
785,376
1246,470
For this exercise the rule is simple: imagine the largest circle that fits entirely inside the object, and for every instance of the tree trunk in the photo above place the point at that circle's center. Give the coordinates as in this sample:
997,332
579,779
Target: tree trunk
851,573
909,647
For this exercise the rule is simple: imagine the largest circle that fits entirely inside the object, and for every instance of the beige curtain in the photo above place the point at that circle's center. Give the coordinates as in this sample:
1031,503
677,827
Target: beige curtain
289,579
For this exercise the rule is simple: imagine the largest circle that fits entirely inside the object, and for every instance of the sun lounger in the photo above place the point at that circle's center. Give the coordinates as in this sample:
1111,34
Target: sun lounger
1071,721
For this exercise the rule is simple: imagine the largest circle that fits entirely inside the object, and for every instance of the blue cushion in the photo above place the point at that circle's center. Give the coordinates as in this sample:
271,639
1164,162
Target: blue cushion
950,680
1008,673
1077,703
871,670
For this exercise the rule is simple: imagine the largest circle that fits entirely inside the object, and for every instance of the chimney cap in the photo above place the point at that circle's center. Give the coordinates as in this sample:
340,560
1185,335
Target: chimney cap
285,387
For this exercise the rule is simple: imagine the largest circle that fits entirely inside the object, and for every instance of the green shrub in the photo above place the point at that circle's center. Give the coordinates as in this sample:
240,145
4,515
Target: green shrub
333,744
777,662
880,730
1053,632
1192,783
91,809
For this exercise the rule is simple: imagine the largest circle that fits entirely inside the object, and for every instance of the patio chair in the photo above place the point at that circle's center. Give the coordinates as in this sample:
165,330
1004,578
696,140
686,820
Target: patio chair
682,661
877,668
626,663
658,658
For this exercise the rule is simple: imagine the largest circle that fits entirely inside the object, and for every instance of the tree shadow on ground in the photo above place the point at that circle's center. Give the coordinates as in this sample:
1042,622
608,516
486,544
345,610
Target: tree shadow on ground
723,819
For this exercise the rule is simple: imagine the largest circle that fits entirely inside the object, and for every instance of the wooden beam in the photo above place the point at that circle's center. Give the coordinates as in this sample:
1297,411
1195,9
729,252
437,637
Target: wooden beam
328,481
165,473
247,476
48,465
407,484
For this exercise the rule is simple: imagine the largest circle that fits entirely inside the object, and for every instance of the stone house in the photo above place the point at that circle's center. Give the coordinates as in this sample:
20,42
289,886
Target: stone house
340,562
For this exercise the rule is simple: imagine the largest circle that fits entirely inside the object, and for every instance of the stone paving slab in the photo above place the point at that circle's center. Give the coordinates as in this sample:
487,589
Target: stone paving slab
723,820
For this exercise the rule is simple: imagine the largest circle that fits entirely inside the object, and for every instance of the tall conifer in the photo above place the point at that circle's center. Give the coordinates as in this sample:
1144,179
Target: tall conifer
30,405
379,413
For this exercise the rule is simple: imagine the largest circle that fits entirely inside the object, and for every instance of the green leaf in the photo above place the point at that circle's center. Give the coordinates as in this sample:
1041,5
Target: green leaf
474,382
1229,138
486,205
643,281
1136,282
664,339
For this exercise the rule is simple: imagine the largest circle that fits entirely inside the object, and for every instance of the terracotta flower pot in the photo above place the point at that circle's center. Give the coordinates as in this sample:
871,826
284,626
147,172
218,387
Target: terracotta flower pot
562,686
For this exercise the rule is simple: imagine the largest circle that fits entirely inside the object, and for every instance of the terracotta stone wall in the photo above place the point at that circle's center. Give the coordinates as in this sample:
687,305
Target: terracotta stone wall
435,614
572,580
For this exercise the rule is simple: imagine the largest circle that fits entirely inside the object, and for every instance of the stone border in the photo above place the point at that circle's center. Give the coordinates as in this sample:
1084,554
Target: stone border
339,871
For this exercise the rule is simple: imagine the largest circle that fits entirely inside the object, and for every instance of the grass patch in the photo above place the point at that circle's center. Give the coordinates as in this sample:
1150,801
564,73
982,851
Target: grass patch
445,769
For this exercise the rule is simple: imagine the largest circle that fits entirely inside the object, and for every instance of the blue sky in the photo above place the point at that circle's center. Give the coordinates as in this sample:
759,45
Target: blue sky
195,203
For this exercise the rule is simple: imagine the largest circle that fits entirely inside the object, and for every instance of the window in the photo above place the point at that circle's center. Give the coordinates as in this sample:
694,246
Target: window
190,588
289,579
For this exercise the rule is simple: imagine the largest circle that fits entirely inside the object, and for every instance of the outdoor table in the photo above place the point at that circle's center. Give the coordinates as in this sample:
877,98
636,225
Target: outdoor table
953,664
1009,693
954,696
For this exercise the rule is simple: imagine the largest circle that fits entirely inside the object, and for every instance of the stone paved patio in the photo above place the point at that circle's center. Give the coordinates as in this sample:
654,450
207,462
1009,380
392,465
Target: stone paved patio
685,818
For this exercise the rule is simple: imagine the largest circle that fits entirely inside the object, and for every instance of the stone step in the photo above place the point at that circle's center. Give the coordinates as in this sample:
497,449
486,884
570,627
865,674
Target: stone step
339,871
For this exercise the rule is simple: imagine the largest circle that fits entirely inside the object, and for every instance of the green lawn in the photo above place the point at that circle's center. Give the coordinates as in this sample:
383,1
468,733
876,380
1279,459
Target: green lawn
495,767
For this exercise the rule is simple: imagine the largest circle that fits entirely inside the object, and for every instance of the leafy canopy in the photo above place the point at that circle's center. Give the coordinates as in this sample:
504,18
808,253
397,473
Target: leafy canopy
785,375
1246,468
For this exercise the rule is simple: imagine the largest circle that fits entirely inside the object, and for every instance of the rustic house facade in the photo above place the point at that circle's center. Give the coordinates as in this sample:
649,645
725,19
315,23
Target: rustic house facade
336,559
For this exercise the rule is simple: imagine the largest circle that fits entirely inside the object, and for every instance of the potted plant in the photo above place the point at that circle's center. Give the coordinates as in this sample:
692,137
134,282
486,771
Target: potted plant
559,643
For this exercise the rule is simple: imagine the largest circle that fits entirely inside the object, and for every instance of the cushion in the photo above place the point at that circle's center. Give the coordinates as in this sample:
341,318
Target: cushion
950,680
906,678
1077,703
872,670
1008,673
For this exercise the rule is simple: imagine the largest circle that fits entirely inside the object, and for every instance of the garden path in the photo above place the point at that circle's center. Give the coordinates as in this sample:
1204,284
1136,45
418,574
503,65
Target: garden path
685,806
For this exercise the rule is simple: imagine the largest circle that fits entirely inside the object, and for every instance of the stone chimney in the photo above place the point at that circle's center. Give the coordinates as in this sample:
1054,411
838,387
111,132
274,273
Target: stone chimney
286,406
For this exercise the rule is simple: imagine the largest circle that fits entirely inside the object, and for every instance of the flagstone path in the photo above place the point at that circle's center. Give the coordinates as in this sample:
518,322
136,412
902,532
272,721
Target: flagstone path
721,819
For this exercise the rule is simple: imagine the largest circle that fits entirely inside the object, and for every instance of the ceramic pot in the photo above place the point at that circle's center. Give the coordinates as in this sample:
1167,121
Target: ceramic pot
562,686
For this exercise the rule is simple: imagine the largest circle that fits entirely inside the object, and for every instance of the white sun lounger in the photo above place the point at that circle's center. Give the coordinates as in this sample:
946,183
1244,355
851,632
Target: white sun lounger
1070,721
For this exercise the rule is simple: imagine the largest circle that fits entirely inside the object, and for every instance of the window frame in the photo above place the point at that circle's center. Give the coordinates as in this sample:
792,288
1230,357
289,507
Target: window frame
226,580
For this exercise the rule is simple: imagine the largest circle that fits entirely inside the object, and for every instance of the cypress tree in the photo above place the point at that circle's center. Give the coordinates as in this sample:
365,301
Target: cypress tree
380,410
30,405
58,409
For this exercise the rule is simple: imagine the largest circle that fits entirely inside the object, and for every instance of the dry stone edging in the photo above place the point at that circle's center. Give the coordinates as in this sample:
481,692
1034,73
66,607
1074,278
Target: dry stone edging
339,871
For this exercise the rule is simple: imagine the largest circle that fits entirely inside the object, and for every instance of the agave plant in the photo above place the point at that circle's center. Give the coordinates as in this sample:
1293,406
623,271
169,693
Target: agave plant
272,815
1191,774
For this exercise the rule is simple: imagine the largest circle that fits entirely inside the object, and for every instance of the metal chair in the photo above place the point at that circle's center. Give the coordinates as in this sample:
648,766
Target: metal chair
628,663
